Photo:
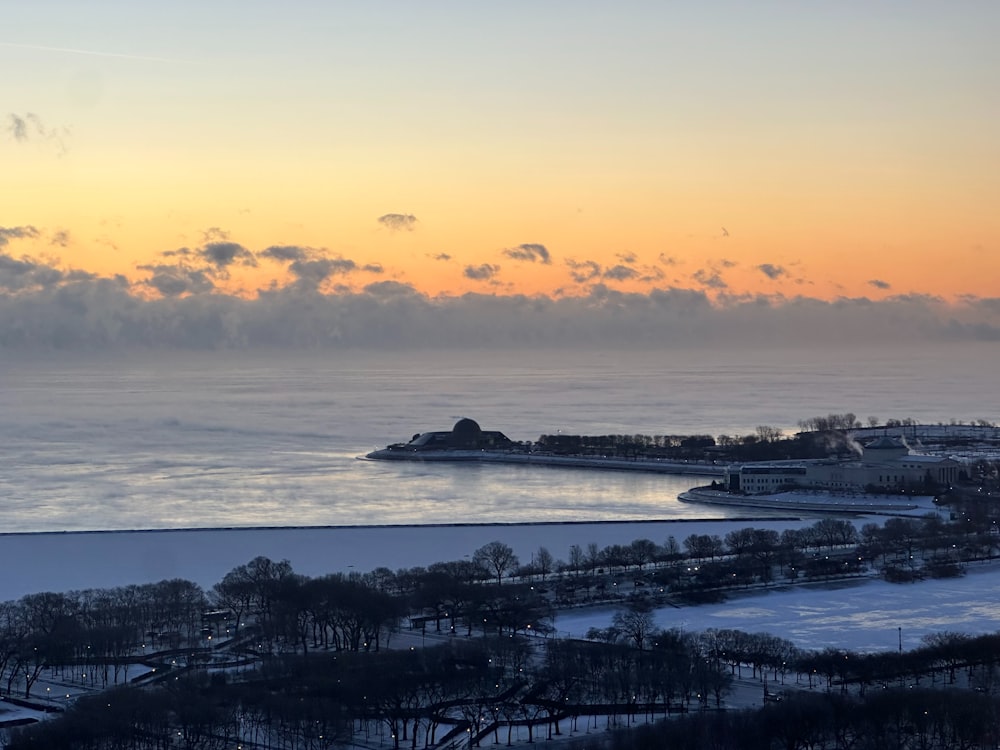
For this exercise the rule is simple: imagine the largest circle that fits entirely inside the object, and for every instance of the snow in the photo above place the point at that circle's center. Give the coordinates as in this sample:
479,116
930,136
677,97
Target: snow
860,615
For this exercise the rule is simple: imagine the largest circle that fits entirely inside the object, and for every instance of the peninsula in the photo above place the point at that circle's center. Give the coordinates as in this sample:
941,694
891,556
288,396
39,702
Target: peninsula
468,442
844,468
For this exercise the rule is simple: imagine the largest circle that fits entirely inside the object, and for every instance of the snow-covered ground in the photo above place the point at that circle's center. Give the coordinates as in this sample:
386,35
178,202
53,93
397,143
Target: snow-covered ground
860,615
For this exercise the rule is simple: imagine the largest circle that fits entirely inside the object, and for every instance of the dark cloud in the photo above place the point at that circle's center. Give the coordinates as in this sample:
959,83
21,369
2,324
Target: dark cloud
24,273
78,275
667,260
530,251
398,222
16,233
312,273
60,238
286,253
627,258
483,272
225,254
390,289
879,284
772,271
311,267
620,273
175,281
583,271
726,263
441,256
709,278
181,252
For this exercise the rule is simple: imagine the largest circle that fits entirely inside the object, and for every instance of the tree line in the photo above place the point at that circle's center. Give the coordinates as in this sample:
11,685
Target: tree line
276,627
818,437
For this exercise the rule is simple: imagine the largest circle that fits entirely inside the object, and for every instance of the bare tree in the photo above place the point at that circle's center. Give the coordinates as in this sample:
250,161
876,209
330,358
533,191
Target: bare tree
593,556
635,624
642,551
496,557
768,434
543,561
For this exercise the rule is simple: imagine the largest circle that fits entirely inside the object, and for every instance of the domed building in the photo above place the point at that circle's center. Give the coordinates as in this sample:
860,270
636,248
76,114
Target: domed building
465,435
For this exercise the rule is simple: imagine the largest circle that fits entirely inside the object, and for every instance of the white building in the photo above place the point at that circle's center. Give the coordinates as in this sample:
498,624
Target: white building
885,463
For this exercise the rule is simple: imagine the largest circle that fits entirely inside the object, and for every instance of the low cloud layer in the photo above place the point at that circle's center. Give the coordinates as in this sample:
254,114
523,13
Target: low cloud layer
312,273
175,281
44,307
327,300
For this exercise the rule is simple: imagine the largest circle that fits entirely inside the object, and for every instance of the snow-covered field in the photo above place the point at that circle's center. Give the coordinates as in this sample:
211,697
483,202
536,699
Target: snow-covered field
861,615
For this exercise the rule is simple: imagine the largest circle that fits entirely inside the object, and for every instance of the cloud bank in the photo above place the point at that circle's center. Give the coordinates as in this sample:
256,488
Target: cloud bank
43,307
329,301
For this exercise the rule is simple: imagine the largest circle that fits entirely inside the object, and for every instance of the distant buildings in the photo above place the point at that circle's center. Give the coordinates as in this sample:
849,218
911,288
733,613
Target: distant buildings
885,463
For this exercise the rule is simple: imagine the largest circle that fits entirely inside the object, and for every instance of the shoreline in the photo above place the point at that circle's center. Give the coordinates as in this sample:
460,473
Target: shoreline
813,501
656,466
409,526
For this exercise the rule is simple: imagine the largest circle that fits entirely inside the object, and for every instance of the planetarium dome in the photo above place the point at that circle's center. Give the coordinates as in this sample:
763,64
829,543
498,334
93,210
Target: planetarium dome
466,432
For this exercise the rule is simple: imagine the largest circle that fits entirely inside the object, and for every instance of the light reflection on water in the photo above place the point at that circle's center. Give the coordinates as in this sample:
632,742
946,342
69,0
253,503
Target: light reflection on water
160,441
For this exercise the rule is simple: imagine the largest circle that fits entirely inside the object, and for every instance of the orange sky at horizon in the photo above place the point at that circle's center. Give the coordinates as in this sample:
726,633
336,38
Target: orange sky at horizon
826,152
681,246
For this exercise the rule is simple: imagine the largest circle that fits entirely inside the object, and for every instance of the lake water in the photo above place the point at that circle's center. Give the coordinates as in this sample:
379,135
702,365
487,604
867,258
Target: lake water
197,440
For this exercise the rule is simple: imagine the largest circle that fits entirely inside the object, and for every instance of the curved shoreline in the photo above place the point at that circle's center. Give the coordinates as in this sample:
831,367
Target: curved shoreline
548,459
814,502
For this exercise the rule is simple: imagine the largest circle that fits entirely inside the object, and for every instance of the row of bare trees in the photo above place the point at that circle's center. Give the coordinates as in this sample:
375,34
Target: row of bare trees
93,636
491,687
470,688
900,719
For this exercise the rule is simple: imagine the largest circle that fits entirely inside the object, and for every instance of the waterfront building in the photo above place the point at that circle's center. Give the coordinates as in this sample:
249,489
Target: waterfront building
886,464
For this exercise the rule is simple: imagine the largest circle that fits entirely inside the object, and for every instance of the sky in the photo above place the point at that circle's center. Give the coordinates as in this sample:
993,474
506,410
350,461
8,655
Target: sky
794,164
